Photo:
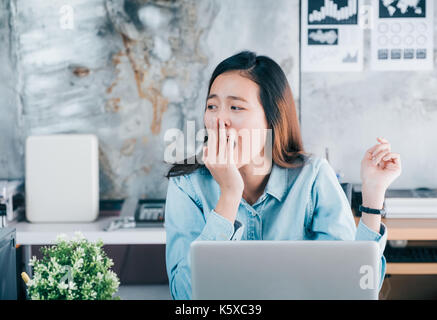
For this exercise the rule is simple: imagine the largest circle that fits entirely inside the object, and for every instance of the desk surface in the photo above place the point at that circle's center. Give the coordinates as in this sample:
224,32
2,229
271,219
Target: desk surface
45,233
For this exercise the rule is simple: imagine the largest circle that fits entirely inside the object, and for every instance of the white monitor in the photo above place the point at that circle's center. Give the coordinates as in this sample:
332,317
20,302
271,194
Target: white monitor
62,178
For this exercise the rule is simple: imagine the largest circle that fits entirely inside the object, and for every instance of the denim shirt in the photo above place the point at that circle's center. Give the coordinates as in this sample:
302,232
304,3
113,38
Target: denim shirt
306,203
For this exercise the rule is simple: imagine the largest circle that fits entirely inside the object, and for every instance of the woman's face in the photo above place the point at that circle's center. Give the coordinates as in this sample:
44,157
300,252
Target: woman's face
234,99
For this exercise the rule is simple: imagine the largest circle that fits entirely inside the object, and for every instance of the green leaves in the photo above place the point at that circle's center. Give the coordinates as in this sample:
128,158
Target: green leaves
73,270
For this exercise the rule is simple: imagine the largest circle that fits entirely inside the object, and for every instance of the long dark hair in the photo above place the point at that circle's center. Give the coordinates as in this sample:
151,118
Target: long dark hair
277,101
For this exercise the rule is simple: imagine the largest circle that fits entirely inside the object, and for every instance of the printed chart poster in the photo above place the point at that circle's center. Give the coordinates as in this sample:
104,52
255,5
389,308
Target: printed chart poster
402,35
331,37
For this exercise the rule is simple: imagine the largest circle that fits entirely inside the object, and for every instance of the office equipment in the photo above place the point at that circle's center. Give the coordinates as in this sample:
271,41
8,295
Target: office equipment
110,208
150,212
12,200
3,212
261,269
347,188
411,254
62,178
420,203
8,271
139,214
415,203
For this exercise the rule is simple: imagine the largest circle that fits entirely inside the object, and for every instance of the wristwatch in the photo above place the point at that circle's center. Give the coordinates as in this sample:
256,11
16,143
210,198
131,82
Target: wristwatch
382,211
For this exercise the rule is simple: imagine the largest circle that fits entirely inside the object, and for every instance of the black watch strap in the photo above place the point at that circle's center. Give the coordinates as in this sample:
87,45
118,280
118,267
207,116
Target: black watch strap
372,211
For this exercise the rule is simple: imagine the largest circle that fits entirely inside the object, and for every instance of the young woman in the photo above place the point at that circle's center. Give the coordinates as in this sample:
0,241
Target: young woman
297,198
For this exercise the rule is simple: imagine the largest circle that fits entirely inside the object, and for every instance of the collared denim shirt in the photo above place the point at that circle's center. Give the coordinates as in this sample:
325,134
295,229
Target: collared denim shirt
306,203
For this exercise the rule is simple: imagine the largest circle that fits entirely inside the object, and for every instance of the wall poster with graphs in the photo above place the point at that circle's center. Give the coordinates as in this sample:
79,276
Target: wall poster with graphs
331,37
402,35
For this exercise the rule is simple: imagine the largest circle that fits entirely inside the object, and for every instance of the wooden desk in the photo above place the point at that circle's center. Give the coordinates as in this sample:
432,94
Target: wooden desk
421,268
410,229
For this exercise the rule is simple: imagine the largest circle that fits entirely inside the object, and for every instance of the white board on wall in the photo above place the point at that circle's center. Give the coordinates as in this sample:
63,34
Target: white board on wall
331,36
402,35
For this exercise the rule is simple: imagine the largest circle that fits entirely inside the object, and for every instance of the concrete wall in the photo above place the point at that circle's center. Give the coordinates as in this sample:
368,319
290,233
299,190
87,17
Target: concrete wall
345,112
11,159
130,70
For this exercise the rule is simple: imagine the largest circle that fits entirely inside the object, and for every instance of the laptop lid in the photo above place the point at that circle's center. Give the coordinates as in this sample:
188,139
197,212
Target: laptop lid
262,269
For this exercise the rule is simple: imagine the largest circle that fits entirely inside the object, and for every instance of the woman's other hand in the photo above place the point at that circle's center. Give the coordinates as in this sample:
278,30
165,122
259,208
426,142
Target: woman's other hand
379,168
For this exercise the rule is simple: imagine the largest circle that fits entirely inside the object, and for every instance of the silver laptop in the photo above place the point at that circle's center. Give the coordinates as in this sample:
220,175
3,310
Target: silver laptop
262,269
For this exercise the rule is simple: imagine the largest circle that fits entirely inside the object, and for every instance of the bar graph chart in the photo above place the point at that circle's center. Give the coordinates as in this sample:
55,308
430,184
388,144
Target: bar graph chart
332,12
335,40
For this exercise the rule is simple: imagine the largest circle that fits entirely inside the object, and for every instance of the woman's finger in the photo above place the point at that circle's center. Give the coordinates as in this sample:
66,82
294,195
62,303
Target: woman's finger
379,156
217,136
231,145
212,142
222,143
370,151
392,161
376,146
205,155
382,140
392,166
380,148
392,156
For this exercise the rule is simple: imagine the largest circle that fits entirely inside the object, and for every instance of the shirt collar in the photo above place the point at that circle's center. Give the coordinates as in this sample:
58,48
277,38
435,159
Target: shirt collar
278,182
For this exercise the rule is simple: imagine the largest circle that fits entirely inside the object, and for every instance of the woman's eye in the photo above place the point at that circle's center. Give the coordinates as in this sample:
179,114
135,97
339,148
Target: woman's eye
211,107
236,108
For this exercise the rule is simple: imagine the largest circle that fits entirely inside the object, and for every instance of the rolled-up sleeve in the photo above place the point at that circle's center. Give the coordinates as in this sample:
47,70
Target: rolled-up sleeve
364,233
186,222
218,227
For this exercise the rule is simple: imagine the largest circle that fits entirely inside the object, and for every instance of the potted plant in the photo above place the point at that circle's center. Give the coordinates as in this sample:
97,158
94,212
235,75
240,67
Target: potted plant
72,270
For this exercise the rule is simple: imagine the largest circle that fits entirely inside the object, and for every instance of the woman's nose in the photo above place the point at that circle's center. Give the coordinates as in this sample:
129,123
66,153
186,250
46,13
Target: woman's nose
226,121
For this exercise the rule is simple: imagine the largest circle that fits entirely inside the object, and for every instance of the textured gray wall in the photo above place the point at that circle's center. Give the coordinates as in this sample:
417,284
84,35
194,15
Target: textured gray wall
345,112
11,160
127,71
130,70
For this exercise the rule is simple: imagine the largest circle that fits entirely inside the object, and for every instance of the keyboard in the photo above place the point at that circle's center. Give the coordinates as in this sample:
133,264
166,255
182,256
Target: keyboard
410,254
